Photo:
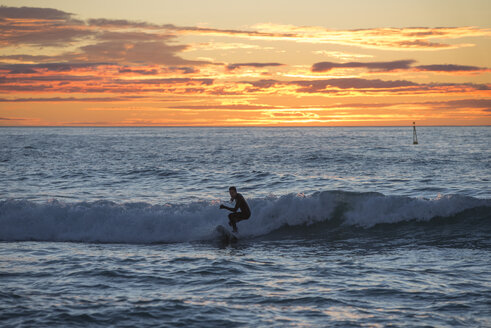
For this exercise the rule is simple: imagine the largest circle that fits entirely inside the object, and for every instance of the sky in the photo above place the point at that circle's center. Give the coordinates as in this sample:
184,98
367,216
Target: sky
245,63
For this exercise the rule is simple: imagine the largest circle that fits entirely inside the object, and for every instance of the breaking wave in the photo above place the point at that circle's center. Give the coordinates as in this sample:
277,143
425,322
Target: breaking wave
110,222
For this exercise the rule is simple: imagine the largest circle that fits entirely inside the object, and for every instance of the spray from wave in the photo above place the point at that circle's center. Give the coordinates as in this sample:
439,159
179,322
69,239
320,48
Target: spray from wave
104,221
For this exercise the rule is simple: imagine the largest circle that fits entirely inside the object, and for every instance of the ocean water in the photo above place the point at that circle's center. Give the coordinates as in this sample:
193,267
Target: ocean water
350,227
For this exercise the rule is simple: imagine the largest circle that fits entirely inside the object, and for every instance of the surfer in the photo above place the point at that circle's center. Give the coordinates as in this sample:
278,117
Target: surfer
240,203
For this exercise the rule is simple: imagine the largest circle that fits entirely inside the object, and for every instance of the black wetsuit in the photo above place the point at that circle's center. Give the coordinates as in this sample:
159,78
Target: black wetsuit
240,203
244,214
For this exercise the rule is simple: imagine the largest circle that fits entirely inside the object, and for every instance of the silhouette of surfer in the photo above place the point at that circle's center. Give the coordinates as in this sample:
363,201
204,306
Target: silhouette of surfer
240,203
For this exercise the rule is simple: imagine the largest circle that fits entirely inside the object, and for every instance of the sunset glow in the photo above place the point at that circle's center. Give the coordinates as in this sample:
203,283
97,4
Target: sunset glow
60,66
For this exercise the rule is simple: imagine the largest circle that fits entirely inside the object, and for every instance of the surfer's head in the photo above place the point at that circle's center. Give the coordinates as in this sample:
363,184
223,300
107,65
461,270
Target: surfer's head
233,192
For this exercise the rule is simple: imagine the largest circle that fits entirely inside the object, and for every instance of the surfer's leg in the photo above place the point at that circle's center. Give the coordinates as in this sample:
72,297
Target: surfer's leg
230,216
239,217
233,218
231,221
234,227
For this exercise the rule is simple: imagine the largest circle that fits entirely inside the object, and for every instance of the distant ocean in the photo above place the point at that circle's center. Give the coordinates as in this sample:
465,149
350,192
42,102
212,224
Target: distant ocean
350,227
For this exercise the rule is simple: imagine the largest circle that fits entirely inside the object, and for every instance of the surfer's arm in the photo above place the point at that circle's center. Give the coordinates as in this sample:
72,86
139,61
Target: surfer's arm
238,201
229,208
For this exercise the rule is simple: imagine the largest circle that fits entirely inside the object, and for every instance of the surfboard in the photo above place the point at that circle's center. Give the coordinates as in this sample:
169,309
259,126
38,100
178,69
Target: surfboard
226,235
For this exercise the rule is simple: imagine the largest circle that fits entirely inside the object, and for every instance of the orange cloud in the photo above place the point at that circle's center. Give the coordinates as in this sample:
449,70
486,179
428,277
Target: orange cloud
414,38
421,38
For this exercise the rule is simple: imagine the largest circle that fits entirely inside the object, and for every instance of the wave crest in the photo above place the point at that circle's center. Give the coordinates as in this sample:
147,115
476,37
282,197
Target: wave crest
104,221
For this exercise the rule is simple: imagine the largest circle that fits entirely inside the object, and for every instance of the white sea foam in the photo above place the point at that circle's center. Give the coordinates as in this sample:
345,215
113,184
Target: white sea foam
104,221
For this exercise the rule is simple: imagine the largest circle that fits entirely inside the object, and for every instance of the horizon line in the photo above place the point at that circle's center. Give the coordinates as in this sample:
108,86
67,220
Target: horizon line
233,126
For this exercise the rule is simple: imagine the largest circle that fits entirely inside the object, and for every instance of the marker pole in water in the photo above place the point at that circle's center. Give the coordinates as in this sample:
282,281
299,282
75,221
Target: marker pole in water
415,137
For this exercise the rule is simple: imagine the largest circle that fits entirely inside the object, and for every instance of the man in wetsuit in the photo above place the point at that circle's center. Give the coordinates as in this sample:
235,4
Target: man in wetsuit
241,204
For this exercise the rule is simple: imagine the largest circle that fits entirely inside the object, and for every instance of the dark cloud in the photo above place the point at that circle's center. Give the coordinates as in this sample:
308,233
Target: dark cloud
33,13
342,83
103,22
155,71
138,71
49,78
395,65
118,52
42,36
184,69
350,83
378,66
67,99
167,81
52,67
238,65
264,84
30,88
154,52
450,68
54,28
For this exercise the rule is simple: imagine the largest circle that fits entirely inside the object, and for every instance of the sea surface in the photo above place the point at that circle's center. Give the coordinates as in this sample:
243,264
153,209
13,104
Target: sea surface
350,227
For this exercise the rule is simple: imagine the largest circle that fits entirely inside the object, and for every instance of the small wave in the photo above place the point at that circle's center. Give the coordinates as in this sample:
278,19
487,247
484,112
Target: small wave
110,222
